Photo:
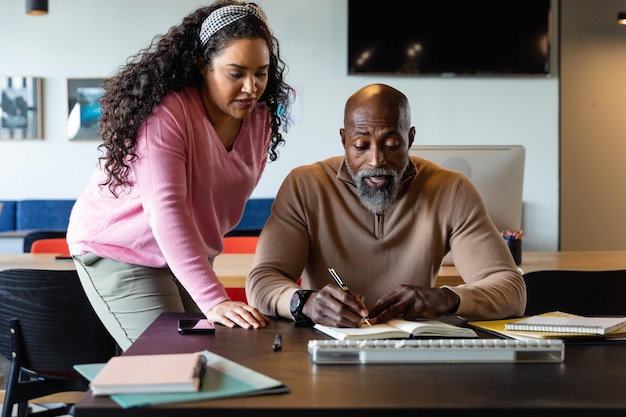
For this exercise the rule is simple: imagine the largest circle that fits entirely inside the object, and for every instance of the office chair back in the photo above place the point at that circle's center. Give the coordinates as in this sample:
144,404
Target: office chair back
51,245
46,326
239,244
41,234
586,293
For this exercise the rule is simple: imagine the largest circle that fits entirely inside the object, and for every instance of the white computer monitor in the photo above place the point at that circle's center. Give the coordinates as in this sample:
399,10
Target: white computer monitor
497,172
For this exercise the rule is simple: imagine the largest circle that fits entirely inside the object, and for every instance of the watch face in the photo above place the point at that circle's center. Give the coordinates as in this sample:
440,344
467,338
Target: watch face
295,302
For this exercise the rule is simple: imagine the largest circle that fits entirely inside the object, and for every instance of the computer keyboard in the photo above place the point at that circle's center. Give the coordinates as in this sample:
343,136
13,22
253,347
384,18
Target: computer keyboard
435,351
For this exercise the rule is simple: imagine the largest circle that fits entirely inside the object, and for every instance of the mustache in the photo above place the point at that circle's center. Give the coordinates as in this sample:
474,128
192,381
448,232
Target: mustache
377,172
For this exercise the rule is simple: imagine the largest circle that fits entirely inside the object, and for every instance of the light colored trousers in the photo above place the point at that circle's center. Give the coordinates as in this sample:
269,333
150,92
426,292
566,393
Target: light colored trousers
128,298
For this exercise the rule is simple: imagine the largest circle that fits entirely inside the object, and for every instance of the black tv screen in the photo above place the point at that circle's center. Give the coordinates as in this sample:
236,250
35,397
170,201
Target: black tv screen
449,37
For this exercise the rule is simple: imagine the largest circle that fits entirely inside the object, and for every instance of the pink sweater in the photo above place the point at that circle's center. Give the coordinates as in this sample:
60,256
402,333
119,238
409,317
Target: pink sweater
189,191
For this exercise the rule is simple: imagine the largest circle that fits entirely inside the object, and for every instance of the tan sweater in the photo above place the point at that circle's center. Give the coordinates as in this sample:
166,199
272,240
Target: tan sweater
317,221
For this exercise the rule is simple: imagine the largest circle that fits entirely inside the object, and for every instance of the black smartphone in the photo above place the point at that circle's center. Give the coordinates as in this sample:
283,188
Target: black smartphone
195,326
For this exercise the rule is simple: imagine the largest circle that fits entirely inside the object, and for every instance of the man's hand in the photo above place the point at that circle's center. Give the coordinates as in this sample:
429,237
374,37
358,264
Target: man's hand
333,307
411,302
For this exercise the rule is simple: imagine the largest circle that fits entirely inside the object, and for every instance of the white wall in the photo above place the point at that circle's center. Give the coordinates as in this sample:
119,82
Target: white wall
91,38
593,99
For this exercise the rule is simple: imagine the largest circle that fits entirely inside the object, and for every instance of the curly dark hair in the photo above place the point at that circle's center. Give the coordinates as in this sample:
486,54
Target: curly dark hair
170,63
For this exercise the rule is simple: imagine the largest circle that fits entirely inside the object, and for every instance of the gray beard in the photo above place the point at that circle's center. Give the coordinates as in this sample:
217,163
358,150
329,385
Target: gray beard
377,199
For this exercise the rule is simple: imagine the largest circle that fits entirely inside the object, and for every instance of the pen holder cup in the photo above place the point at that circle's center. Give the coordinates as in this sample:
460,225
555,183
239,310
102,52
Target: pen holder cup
515,246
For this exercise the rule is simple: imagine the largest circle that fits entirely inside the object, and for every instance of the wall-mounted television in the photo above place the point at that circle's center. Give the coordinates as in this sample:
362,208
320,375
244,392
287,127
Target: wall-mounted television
449,37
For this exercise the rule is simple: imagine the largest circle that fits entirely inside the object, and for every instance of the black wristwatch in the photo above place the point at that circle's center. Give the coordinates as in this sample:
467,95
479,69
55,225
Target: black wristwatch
297,302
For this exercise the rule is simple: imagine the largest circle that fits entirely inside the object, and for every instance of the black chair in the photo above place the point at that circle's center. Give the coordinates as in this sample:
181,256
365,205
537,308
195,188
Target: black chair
46,326
41,234
586,293
243,232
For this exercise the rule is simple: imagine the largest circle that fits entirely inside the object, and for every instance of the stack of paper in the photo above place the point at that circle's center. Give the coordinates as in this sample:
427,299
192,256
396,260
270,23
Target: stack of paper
502,327
222,378
569,324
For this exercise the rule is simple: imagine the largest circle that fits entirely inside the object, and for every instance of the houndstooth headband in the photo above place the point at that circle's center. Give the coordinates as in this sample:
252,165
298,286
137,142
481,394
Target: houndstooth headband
226,15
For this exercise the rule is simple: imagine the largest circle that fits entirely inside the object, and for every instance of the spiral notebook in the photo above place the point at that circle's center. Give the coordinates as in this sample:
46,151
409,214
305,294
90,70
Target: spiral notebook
557,322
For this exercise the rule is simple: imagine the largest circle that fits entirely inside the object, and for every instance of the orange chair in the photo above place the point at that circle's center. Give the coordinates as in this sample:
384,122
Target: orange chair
41,234
239,244
56,245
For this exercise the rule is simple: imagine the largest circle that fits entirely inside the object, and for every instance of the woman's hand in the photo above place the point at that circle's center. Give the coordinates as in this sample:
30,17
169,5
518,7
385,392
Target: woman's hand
237,313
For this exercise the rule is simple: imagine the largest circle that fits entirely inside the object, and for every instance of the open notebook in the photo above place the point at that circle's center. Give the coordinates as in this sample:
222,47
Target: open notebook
397,329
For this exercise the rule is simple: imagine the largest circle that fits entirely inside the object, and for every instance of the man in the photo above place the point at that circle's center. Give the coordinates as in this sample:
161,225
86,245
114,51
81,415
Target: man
384,221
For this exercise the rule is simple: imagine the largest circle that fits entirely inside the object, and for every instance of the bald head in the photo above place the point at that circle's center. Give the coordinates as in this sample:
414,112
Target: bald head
379,97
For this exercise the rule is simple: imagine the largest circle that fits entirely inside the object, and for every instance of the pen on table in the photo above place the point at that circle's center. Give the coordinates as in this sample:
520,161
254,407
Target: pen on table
278,343
200,370
344,287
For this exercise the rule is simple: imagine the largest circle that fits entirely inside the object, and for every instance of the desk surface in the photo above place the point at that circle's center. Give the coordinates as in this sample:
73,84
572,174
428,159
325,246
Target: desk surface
588,383
570,260
232,269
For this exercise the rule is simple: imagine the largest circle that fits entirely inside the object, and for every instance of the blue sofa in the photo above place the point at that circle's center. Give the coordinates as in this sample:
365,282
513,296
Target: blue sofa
35,214
54,214
7,215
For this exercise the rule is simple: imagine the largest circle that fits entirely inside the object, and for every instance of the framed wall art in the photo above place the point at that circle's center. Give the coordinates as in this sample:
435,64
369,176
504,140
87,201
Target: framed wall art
20,108
84,108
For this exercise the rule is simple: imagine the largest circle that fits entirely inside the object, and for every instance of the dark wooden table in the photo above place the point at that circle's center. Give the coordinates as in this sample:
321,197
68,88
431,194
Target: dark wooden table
590,382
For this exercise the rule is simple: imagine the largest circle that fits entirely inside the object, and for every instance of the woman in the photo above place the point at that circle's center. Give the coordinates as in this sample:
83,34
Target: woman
187,126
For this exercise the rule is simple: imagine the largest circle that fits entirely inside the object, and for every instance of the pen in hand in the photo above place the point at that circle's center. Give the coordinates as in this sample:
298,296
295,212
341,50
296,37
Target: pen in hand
344,288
